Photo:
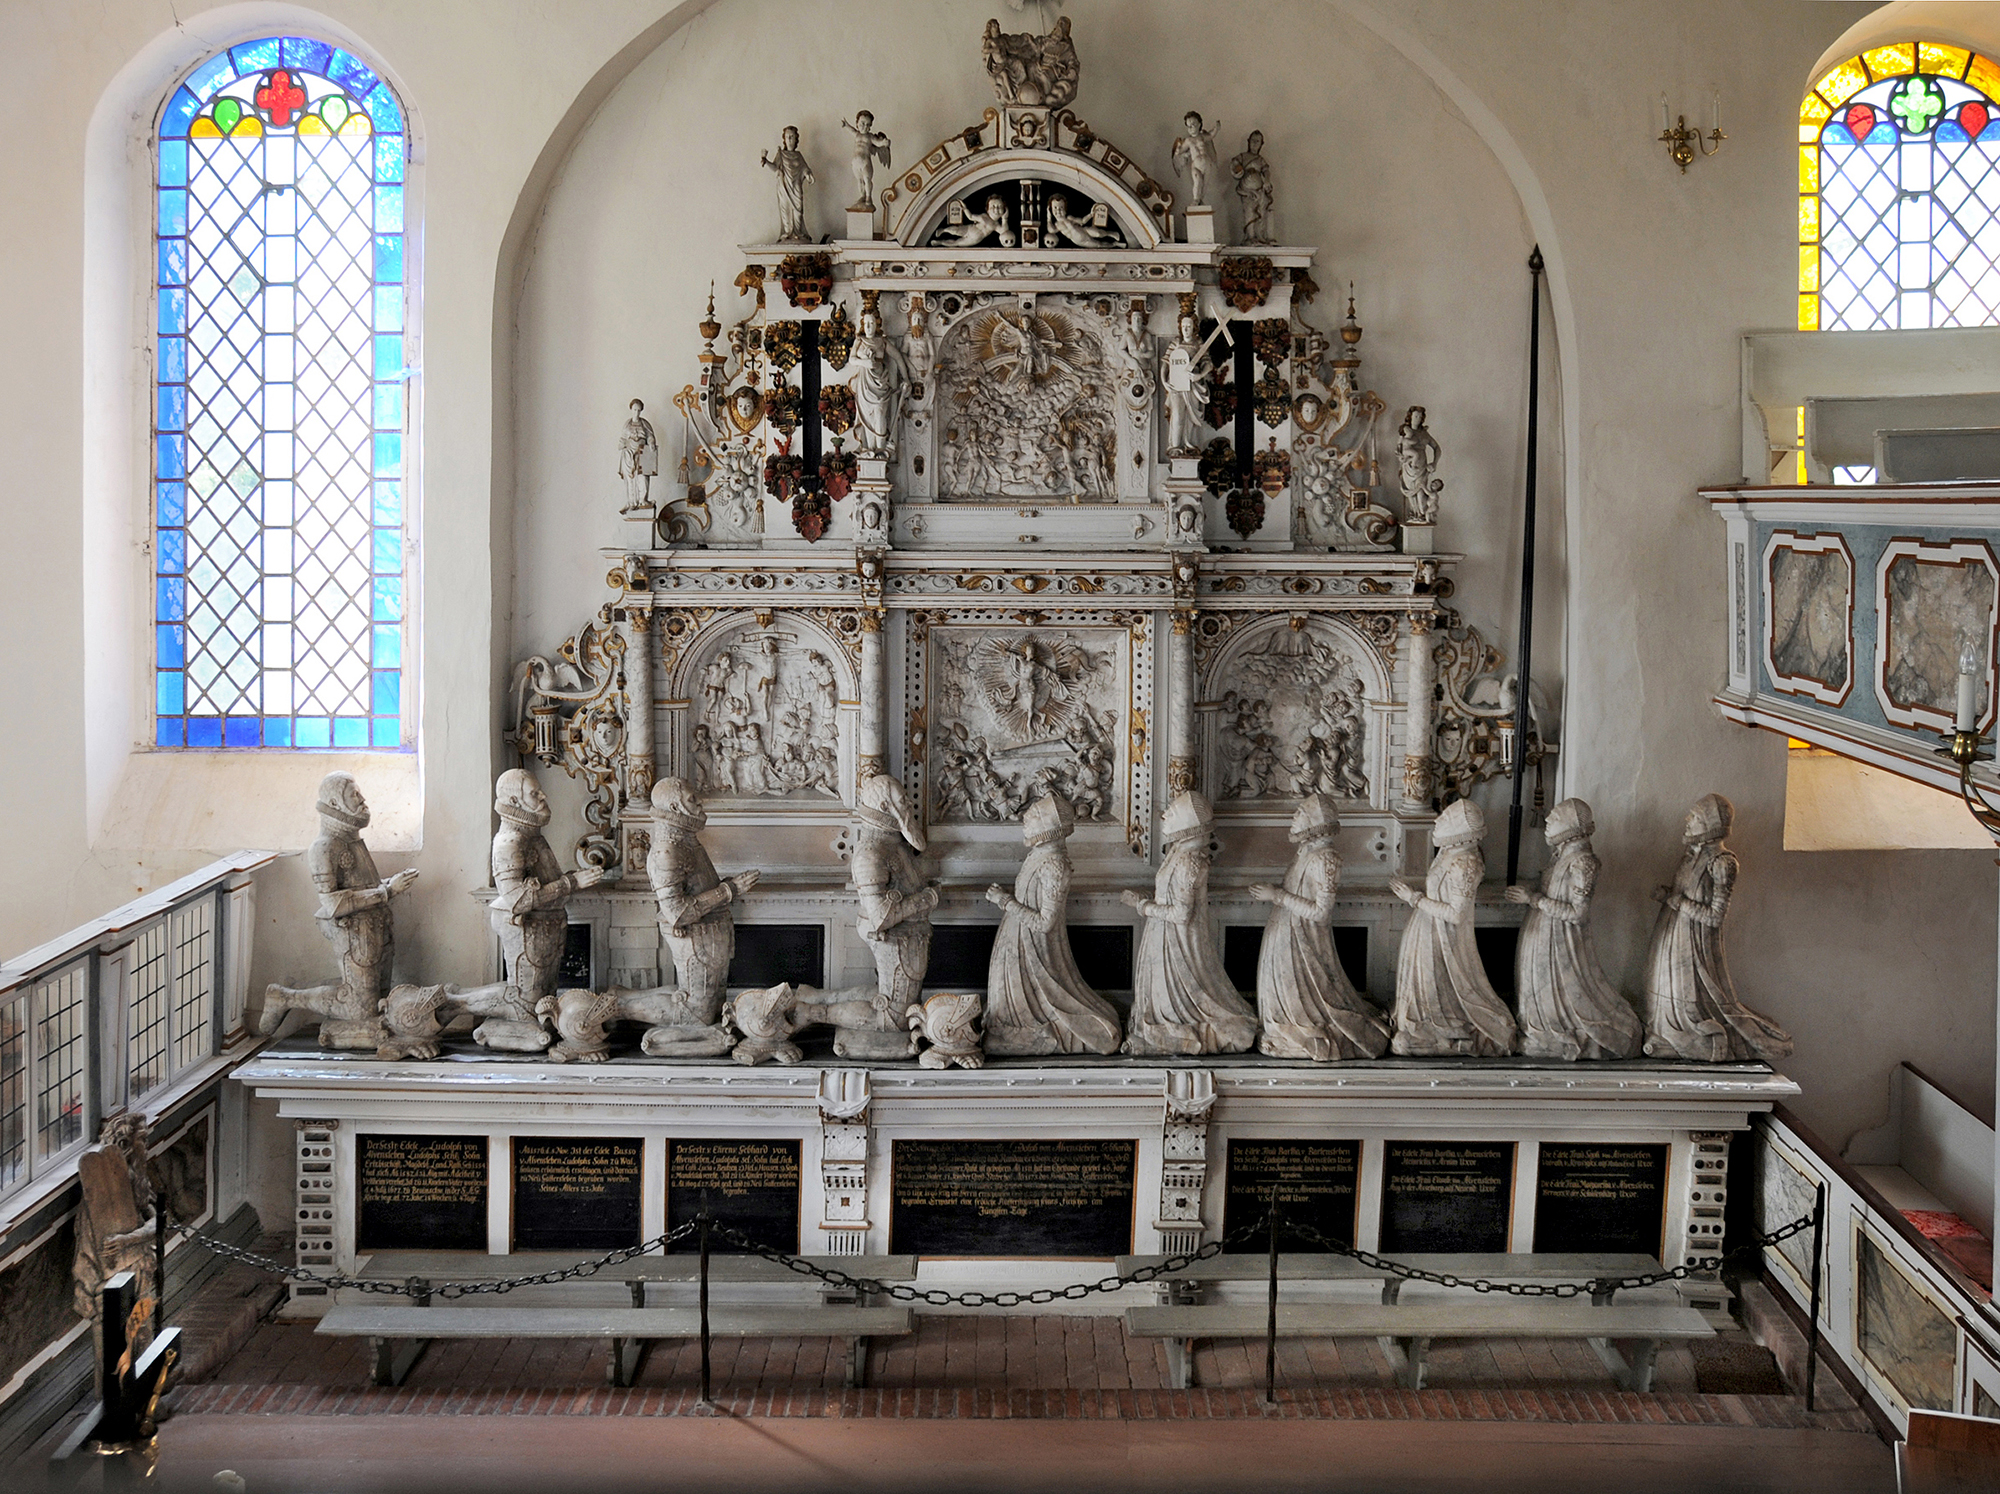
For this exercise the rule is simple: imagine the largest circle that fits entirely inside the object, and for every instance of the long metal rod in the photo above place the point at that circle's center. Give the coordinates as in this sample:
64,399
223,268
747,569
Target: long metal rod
1526,659
705,1217
161,1218
1812,1327
1271,1312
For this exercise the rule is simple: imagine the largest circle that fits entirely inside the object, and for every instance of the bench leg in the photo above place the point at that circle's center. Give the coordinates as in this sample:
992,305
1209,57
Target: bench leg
393,1358
1392,1291
857,1363
622,1364
1180,1362
1406,1358
638,1293
1631,1369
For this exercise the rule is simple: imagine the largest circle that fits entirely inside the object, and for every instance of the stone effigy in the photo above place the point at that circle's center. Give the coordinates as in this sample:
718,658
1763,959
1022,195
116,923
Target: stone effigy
1036,1001
116,1221
949,1025
1306,1004
1444,1003
1568,1007
1691,1006
1182,999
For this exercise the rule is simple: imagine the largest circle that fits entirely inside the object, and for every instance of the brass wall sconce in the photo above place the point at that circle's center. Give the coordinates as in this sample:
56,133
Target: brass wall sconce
1682,142
1965,749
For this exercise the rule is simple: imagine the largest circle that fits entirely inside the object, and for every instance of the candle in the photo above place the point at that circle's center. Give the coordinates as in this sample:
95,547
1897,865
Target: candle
1715,112
1968,690
1663,114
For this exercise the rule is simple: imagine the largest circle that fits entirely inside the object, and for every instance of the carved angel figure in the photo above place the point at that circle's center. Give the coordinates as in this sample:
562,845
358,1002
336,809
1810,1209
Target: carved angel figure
794,175
1036,1001
1182,999
1444,1003
995,223
870,146
1569,1008
1691,1006
1079,231
1306,1003
1195,156
1035,686
638,459
1037,71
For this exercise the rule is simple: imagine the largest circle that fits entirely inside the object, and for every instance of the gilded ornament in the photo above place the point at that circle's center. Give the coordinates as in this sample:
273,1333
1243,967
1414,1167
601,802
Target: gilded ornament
1218,466
1246,281
836,338
1273,468
781,408
812,510
837,470
1271,339
751,281
836,409
807,279
785,343
1244,509
1271,399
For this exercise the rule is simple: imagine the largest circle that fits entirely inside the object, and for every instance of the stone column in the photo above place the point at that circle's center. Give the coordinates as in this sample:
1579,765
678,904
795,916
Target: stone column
639,762
1183,770
873,747
1419,763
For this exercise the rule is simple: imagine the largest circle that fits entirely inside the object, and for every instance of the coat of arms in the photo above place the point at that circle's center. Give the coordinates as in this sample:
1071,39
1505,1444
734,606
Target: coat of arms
1246,281
807,279
836,338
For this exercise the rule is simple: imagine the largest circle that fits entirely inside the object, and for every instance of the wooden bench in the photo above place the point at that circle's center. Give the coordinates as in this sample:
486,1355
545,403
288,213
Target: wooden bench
1406,1330
400,1334
1318,1266
431,1266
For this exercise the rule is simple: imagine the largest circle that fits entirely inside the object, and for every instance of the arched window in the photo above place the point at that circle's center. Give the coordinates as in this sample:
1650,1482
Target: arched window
1899,191
279,500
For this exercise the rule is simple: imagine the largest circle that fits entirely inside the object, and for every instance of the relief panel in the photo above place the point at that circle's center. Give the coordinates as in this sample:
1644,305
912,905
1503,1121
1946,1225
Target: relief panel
1293,706
761,701
1027,407
1931,601
1809,615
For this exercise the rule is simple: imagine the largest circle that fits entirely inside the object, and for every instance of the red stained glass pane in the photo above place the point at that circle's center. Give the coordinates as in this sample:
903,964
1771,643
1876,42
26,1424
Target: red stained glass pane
1974,117
1860,120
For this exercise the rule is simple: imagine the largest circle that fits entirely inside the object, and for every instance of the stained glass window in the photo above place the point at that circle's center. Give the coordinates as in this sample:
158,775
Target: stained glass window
280,380
1899,191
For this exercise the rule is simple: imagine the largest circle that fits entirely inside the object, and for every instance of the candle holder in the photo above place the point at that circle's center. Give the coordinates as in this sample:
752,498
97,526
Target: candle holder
1682,142
1965,750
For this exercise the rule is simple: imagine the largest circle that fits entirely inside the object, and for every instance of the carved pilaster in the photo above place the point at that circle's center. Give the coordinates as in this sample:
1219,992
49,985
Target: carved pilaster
843,1159
1708,1196
1183,770
639,760
315,1244
1419,760
1190,1096
872,755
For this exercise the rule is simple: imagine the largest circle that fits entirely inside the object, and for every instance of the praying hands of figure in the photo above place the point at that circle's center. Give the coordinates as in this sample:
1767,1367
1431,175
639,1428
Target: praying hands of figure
1406,892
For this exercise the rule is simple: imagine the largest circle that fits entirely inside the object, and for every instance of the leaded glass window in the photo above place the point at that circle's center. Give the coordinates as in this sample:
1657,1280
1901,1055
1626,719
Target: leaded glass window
1899,191
279,523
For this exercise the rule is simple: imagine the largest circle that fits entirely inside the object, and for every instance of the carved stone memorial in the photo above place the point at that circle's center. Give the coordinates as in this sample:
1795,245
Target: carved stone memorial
1447,1196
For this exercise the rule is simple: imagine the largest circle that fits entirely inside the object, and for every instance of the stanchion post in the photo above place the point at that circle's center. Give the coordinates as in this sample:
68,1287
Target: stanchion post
1271,1312
1812,1321
704,1298
161,1216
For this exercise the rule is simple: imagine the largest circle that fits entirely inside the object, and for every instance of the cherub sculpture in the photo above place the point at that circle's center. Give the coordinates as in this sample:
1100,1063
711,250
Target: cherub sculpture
1183,1001
354,915
1691,1006
794,175
1444,1003
995,223
1079,231
638,459
1253,189
1195,156
870,145
1569,1008
1036,1001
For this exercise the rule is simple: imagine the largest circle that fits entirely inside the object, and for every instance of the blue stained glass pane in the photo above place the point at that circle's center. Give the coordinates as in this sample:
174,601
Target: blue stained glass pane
168,692
351,74
350,731
173,311
173,261
388,209
388,453
173,551
168,650
170,503
204,731
1883,134
313,56
388,599
388,407
173,360
171,599
388,257
1990,134
173,163
388,552
1952,132
383,109
172,414
312,731
211,76
388,731
388,692
241,731
388,502
388,158
388,308
389,645
389,355
168,456
254,57
173,212
277,731
1835,133
167,732
179,113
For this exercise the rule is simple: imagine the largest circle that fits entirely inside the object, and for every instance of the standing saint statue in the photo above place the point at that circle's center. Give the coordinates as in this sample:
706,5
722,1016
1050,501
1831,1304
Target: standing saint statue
1416,462
877,381
1444,1003
638,459
1184,368
1182,999
1306,1003
1691,1006
1569,1008
1036,1001
1195,156
1253,189
793,174
870,145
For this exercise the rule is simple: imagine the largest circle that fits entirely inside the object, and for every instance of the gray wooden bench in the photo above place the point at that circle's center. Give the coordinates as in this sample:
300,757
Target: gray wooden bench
1407,1330
1183,1286
399,1334
428,1266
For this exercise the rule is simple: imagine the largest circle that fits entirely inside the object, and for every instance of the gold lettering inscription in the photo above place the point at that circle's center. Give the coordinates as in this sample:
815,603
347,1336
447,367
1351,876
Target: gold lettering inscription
1301,1172
733,1169
1469,1171
1603,1173
422,1170
576,1169
1014,1179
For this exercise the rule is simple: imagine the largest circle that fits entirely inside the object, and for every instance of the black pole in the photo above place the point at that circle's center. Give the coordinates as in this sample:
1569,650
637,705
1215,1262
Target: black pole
1527,566
1271,1313
160,1264
704,1297
1812,1325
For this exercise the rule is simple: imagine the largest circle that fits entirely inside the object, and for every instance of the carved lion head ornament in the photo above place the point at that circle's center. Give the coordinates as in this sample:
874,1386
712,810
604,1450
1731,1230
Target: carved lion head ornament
340,801
881,803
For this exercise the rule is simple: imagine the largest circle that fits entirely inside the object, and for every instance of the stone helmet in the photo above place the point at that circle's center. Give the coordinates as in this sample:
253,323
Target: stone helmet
879,801
340,801
1569,820
1463,823
1049,817
675,804
519,800
1318,816
1188,816
1709,819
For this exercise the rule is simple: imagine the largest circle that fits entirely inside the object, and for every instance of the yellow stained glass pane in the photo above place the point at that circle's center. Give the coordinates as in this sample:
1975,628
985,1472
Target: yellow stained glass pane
1808,224
1809,168
1942,61
1813,112
311,124
355,124
204,129
248,127
1808,313
1891,62
1803,478
1984,76
1843,82
1808,268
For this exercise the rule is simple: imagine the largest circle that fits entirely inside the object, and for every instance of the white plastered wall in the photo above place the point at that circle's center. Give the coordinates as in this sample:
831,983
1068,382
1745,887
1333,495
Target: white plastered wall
1423,146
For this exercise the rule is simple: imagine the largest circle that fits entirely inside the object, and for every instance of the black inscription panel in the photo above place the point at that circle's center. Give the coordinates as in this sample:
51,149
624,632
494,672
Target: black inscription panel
1602,1198
767,953
751,1185
1048,1199
1446,1196
961,954
1316,1184
420,1192
576,1192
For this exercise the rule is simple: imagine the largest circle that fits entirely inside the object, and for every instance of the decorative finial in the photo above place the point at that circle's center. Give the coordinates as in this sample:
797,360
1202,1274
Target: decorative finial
708,326
1350,330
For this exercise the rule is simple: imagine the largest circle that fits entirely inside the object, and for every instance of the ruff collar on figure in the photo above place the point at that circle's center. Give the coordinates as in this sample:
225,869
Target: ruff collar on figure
340,801
675,804
519,800
1569,820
